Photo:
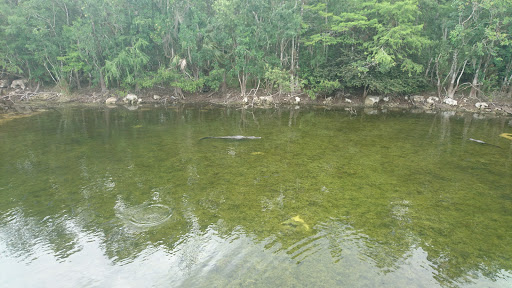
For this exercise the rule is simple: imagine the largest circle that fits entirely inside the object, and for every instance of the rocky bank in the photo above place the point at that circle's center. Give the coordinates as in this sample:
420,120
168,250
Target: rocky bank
16,99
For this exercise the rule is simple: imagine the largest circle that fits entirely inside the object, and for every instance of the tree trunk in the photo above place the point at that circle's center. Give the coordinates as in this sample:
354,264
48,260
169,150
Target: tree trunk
242,79
450,92
77,78
438,82
292,68
102,83
99,56
474,85
454,72
281,56
507,80
28,70
179,93
223,85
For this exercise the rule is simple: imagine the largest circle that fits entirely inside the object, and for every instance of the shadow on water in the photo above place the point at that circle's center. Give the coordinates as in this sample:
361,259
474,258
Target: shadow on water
325,199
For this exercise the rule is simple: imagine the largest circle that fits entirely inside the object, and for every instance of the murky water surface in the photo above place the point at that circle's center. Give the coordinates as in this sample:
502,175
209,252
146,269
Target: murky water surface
119,198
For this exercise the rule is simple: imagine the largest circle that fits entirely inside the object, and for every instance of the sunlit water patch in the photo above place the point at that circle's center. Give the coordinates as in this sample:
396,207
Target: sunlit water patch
326,198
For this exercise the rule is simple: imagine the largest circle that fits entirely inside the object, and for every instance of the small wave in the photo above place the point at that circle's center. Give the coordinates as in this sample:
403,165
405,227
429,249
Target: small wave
145,215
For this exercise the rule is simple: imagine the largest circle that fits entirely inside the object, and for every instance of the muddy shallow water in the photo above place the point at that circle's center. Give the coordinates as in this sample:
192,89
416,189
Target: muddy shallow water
326,198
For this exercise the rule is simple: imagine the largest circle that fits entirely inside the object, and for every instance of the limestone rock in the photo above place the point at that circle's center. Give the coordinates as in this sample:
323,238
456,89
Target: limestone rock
371,100
4,83
432,100
328,101
450,101
417,99
130,98
111,100
20,83
481,105
266,100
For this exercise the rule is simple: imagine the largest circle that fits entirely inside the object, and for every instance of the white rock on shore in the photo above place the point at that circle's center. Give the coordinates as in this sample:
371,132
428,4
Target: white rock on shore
450,101
111,100
371,100
418,99
432,100
481,105
130,98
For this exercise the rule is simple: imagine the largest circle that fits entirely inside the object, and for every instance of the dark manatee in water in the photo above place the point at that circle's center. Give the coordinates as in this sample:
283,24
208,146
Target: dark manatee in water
482,142
236,137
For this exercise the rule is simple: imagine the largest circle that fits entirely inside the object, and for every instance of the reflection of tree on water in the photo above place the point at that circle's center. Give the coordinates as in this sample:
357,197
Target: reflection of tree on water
191,246
26,237
348,192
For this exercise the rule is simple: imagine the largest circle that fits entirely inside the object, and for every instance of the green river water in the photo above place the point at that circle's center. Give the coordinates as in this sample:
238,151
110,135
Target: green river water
117,198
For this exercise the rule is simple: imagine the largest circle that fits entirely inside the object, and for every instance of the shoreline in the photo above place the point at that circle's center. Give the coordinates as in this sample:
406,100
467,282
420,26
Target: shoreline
24,103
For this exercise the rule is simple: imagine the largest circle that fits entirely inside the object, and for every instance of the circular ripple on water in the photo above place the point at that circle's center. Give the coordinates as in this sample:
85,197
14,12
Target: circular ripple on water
146,215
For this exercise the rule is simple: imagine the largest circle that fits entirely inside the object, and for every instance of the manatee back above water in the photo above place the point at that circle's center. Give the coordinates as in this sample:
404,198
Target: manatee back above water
236,137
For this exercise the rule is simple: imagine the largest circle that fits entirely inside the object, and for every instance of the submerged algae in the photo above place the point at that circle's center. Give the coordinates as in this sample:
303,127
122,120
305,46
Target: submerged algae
380,197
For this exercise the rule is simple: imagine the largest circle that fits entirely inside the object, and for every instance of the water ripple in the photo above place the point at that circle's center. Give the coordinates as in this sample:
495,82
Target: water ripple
144,215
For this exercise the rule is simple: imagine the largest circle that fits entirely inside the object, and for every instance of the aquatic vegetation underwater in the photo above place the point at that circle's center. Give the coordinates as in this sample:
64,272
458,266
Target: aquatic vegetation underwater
324,198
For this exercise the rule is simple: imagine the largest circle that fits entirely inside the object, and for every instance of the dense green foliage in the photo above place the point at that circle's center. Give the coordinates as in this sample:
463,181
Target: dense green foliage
314,46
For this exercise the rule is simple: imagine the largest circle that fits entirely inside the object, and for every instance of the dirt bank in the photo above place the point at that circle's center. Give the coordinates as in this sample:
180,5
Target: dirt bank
16,103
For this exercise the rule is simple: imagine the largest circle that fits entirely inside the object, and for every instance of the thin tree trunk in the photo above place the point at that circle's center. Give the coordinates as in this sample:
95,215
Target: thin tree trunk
242,79
281,57
474,84
178,92
102,82
454,83
508,78
223,86
453,73
428,68
28,69
292,78
438,84
99,54
77,78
